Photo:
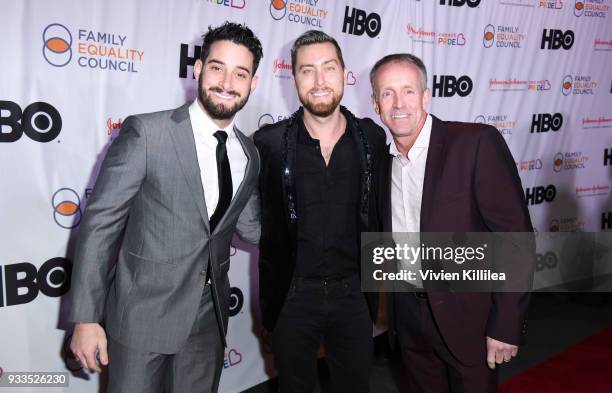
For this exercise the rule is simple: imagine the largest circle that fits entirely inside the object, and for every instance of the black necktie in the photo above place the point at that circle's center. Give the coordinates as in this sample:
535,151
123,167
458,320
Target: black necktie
224,175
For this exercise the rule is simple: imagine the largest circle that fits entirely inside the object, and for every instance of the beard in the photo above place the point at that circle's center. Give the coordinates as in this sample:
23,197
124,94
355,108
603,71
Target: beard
321,109
219,111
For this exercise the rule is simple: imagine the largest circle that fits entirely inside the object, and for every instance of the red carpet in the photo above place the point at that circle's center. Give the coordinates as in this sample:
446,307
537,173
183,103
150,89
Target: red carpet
583,368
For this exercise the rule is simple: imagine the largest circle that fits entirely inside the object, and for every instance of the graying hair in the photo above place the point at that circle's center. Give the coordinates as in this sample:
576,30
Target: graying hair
400,58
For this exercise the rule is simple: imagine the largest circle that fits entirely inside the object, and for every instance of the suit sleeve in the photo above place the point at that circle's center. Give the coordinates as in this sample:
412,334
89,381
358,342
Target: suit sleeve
248,226
502,206
119,180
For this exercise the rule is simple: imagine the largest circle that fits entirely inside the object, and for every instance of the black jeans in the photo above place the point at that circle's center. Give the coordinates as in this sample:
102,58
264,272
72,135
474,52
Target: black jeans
333,312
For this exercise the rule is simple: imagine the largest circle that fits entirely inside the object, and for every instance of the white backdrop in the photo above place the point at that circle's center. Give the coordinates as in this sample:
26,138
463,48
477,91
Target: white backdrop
71,70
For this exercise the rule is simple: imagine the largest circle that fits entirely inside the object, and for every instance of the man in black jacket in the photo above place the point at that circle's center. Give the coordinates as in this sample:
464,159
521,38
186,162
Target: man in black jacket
319,184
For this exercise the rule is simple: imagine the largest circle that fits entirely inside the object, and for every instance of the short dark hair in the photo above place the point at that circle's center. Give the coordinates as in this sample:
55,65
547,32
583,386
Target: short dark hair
313,37
236,33
400,58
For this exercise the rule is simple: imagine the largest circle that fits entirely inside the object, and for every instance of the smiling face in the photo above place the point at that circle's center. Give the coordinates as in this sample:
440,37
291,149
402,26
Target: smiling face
400,98
225,79
319,78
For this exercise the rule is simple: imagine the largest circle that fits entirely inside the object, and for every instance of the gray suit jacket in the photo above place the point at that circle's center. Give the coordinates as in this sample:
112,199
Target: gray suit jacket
147,212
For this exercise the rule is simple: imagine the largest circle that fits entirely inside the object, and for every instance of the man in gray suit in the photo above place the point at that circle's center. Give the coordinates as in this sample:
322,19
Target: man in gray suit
172,190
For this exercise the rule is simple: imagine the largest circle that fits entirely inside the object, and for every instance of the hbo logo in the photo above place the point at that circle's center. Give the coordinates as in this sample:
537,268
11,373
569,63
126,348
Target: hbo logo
459,3
543,122
22,282
448,86
546,261
358,22
39,121
537,195
556,39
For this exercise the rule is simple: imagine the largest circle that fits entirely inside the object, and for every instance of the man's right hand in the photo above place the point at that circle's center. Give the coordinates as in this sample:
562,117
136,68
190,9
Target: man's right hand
88,340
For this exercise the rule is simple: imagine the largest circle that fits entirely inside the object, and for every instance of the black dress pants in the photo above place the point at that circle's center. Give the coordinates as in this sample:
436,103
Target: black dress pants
430,366
333,312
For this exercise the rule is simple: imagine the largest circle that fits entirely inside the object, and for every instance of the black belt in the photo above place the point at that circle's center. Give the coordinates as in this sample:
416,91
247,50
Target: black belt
325,280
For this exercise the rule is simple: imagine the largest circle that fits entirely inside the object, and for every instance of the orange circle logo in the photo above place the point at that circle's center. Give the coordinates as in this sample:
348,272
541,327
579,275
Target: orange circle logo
66,208
488,38
278,9
57,47
579,8
566,87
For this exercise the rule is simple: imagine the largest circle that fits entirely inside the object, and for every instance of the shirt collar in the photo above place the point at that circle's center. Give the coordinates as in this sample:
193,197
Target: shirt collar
425,134
204,124
422,140
305,138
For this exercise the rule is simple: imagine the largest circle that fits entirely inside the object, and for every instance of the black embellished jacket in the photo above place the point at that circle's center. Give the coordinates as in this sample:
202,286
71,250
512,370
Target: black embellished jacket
279,215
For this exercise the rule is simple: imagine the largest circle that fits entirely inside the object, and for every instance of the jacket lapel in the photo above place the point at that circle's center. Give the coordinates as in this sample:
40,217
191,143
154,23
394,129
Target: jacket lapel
288,157
387,217
433,166
365,160
184,145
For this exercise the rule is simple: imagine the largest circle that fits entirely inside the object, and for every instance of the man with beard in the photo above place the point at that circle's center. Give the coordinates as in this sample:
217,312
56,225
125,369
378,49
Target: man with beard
171,192
318,188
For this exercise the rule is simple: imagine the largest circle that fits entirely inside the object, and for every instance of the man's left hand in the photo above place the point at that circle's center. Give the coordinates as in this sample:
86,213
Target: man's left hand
499,352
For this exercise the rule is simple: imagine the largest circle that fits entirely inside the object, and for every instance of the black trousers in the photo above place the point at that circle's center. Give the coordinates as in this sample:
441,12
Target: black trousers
430,366
332,312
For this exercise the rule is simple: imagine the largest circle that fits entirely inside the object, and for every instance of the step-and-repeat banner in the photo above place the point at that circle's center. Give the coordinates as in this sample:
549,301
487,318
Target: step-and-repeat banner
71,70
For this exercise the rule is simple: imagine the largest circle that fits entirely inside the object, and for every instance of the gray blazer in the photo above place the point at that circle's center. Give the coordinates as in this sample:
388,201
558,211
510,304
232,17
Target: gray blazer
147,212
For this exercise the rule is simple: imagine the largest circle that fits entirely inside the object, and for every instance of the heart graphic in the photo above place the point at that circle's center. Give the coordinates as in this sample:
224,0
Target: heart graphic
461,39
351,79
238,4
1,372
234,357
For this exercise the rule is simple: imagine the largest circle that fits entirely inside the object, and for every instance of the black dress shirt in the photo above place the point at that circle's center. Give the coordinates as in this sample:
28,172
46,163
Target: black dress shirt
327,208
